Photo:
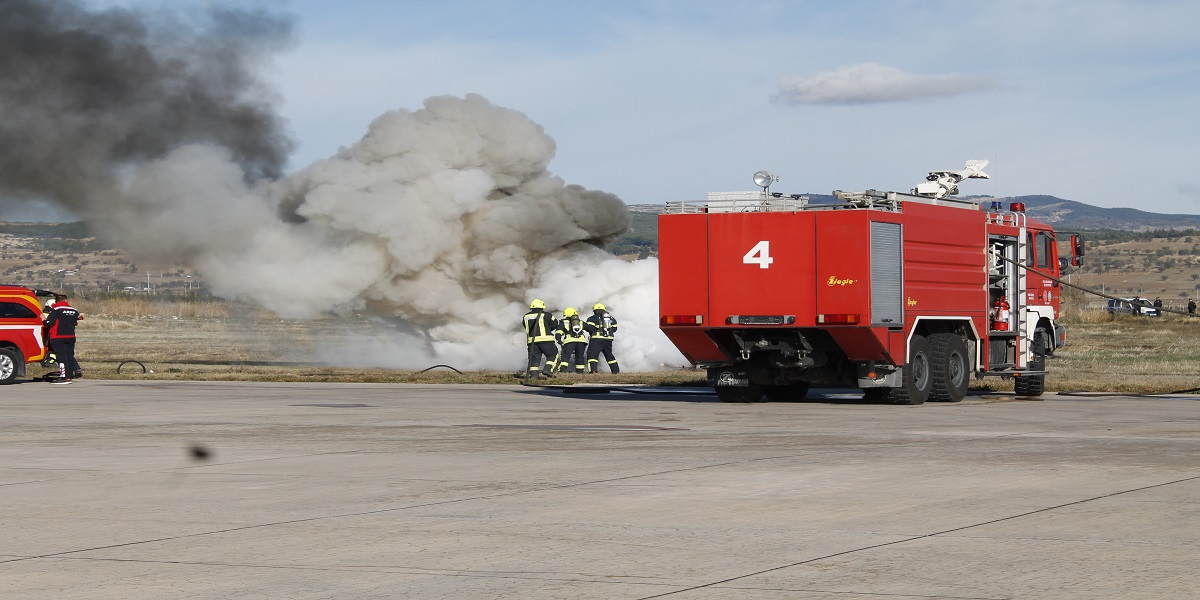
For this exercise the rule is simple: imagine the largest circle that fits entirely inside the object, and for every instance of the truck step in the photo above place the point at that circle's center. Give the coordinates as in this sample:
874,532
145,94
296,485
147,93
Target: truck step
1011,373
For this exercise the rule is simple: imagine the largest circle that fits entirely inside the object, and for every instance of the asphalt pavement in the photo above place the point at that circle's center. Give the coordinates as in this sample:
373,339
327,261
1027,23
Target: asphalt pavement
153,489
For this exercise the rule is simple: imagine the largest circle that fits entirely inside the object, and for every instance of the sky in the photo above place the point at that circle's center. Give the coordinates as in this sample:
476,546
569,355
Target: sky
665,100
654,101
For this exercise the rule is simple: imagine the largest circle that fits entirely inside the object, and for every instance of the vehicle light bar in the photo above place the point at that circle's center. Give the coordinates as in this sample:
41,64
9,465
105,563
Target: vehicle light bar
840,319
761,320
681,320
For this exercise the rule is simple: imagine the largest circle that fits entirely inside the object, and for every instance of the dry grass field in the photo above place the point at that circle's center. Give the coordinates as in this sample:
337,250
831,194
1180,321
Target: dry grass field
1167,267
1127,354
216,340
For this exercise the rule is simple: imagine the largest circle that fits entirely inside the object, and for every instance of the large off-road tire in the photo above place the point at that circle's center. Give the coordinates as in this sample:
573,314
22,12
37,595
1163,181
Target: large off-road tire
1034,385
9,363
949,366
787,393
918,377
740,395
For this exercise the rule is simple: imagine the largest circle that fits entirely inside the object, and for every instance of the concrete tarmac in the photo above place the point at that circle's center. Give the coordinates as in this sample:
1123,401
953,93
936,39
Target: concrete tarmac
151,489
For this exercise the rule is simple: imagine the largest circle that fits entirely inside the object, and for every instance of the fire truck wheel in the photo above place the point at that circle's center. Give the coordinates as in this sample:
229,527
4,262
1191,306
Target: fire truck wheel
918,379
741,395
8,366
787,393
949,367
1034,385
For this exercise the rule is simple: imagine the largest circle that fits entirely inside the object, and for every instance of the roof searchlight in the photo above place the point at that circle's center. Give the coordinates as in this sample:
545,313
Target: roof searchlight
764,179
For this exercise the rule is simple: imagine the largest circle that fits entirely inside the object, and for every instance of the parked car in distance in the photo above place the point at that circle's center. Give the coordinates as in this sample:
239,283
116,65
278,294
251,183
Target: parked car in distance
1125,306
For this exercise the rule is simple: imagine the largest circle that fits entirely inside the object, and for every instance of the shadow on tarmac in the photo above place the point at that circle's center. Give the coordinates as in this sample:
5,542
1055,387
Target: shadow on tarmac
832,396
680,394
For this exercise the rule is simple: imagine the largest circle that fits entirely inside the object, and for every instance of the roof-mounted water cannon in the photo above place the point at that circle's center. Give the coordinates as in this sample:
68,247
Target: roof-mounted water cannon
764,179
940,184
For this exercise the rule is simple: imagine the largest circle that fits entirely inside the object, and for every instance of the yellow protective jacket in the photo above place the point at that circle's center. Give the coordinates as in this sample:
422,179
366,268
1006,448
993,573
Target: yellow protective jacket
539,326
572,330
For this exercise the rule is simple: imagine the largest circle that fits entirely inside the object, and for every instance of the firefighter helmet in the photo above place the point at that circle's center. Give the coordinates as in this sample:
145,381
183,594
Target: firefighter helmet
537,304
598,306
570,312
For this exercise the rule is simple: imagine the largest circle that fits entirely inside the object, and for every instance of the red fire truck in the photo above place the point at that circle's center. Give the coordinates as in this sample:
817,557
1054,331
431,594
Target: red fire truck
903,295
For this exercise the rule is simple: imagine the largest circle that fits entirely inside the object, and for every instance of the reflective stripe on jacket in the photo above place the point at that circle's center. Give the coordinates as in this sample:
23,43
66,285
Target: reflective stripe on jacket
572,330
539,326
601,326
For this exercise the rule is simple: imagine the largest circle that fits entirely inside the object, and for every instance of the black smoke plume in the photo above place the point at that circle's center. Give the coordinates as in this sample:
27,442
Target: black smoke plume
85,93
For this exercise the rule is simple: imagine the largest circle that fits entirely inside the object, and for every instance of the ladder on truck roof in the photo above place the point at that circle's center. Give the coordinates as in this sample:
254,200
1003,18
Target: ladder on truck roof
937,189
734,202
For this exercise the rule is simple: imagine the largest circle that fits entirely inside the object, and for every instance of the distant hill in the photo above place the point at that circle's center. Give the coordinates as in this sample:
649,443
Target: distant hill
1062,214
1069,214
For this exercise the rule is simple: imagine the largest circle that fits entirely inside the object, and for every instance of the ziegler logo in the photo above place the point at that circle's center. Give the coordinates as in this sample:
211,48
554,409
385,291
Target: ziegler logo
833,280
912,302
726,378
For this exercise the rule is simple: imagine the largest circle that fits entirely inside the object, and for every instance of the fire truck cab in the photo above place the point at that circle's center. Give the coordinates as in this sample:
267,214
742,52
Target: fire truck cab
901,295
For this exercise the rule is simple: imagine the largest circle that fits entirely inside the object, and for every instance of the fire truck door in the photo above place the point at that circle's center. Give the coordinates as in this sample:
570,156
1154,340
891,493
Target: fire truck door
1043,257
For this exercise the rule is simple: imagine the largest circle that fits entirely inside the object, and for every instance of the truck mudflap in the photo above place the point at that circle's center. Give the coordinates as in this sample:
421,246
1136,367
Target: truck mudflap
734,384
734,376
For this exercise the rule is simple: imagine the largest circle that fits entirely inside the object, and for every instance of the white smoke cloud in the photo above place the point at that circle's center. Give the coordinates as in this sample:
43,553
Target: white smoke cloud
445,219
194,205
870,83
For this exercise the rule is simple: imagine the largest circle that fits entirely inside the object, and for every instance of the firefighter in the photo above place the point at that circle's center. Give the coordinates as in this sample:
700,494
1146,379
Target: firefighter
1191,307
574,342
60,327
540,328
49,360
601,327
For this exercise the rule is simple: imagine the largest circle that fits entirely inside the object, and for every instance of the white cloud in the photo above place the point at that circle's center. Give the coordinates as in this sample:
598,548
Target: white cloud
870,83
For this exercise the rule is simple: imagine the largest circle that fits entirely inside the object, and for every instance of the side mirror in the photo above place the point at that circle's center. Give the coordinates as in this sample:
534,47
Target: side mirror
1077,249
